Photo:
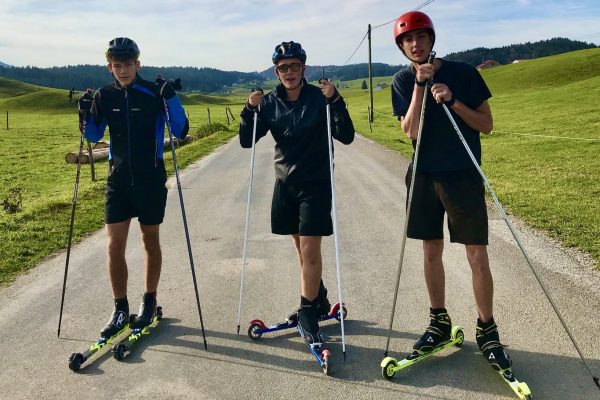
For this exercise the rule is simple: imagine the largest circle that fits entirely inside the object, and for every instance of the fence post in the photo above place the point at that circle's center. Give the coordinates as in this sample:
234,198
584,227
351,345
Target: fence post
7,120
208,109
227,115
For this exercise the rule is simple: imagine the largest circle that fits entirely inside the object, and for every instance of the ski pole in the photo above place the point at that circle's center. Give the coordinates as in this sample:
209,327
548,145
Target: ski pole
408,207
185,226
335,230
248,203
74,203
521,247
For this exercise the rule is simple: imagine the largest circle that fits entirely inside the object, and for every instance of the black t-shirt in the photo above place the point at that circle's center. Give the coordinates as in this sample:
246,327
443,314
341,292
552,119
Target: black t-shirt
441,149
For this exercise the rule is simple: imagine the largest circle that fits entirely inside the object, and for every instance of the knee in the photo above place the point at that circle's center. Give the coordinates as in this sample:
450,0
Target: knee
116,249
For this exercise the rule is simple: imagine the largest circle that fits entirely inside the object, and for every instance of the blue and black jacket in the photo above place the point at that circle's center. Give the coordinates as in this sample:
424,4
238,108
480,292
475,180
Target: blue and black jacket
136,121
300,131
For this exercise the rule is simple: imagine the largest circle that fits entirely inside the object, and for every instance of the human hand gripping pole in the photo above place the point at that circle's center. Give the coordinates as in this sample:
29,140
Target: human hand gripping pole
335,230
185,226
514,233
248,203
408,207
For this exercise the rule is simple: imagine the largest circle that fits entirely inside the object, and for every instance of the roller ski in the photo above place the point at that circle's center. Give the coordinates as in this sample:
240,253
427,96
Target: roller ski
257,327
325,312
149,316
438,336
488,341
118,325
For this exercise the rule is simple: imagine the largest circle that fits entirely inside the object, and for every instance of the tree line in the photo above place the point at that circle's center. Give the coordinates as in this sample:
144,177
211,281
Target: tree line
81,77
212,80
508,54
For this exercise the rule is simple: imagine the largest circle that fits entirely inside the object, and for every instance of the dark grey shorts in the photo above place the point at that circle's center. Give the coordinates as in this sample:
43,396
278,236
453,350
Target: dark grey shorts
302,208
458,194
145,200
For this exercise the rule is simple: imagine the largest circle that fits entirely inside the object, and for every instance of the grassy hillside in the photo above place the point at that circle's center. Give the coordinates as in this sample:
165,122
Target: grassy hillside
538,159
542,158
38,184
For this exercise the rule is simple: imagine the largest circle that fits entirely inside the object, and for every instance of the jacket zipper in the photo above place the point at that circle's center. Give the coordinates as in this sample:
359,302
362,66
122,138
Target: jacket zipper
128,136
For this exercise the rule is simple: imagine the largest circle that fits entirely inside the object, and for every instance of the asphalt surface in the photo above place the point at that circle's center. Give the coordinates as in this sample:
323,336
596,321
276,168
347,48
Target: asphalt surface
172,363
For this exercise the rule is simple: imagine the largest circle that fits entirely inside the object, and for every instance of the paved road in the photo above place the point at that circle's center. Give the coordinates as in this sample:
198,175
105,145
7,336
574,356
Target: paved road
171,363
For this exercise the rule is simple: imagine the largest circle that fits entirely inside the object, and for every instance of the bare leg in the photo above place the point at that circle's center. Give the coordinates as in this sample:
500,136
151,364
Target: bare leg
483,283
311,266
117,265
152,257
434,272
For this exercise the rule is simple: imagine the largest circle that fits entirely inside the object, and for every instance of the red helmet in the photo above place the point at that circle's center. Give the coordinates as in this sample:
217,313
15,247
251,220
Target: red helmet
412,21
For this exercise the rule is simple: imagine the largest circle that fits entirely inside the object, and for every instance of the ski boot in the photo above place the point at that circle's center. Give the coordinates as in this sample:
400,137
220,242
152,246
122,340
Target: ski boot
308,323
489,344
147,311
436,335
488,340
119,319
323,306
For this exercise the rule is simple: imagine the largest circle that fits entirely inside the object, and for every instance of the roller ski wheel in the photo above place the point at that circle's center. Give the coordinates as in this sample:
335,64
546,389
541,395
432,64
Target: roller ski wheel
325,362
119,351
457,336
75,361
389,367
335,312
255,330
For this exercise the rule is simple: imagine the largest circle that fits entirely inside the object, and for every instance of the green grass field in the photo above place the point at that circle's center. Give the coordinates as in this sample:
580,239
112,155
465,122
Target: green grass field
542,159
43,128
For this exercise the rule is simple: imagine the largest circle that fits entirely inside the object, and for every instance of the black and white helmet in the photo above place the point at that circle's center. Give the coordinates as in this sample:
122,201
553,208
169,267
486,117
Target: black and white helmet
289,50
122,47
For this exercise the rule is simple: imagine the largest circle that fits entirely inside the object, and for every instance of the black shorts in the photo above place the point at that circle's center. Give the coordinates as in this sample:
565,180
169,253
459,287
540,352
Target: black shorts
146,199
460,195
302,208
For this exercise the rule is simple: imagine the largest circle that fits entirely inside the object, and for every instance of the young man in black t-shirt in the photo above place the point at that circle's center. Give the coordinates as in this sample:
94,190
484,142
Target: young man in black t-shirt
446,180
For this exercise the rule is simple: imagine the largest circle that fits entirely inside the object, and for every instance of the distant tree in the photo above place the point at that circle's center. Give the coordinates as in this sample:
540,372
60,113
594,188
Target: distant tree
364,85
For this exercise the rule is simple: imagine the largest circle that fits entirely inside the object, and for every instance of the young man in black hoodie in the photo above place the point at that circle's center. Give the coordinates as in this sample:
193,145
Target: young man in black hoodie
295,114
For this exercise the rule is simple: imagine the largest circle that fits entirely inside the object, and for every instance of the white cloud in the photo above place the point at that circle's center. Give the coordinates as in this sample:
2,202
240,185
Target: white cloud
241,34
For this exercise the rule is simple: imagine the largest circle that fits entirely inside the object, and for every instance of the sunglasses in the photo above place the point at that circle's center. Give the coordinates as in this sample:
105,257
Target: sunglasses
294,67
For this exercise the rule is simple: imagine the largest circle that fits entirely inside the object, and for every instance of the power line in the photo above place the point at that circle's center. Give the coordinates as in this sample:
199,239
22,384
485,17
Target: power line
415,9
349,58
367,33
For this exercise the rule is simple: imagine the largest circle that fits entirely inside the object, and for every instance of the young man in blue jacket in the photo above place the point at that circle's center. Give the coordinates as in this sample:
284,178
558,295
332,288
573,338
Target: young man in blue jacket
133,109
295,114
446,182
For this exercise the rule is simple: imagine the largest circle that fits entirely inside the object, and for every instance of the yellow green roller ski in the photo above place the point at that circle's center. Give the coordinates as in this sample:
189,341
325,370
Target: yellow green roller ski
76,360
125,346
389,365
520,388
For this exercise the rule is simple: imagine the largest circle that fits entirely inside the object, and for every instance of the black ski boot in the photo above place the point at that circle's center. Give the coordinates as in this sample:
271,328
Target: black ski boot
489,344
147,311
118,319
437,333
308,324
323,306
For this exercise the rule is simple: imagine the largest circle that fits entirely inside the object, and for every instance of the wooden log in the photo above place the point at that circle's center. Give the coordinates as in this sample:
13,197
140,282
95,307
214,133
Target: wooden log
101,152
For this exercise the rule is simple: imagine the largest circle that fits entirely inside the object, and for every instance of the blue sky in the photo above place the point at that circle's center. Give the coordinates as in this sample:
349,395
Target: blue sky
241,34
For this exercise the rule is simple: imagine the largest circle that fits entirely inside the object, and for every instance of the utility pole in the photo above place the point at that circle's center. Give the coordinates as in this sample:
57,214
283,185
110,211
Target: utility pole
370,79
